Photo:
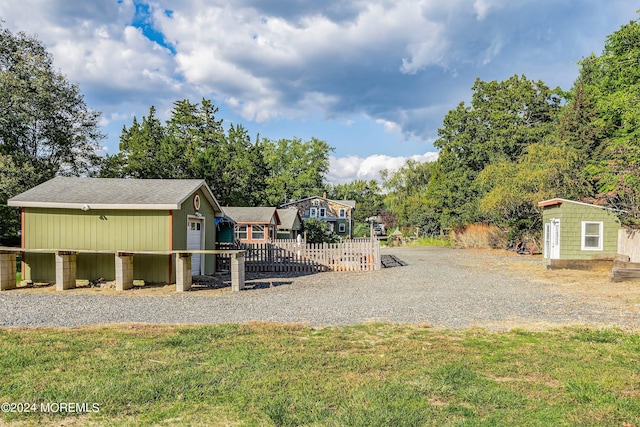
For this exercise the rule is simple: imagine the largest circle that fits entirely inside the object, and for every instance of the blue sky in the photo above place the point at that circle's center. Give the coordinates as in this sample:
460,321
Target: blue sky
372,78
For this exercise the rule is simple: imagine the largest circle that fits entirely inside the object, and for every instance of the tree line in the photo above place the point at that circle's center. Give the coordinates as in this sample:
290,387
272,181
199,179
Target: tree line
516,143
193,143
46,129
519,142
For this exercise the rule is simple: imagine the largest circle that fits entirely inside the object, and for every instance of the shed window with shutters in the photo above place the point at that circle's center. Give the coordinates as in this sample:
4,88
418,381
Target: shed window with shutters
591,236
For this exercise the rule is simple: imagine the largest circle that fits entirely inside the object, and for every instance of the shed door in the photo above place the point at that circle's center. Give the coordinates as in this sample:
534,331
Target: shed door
547,240
554,244
194,241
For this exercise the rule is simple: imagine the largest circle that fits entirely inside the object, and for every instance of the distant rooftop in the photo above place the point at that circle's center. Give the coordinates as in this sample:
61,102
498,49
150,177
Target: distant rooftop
251,215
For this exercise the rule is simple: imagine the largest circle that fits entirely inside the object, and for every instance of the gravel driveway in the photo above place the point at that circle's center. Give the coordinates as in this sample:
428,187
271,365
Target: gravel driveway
441,287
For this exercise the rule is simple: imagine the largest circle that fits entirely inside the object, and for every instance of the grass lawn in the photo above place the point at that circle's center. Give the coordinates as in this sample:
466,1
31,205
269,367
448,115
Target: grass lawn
431,241
368,375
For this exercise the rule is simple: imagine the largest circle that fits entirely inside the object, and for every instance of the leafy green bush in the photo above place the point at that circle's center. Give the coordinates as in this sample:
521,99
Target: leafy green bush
318,231
361,229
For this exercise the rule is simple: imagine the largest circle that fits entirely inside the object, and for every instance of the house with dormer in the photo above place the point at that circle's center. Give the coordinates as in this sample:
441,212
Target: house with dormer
338,213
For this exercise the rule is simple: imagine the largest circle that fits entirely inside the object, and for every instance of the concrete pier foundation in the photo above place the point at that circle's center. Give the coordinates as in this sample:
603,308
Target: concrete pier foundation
65,270
184,279
7,271
124,271
237,272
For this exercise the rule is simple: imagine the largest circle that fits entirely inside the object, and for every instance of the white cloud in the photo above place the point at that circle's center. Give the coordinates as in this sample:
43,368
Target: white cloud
274,65
351,168
94,45
403,62
482,8
389,126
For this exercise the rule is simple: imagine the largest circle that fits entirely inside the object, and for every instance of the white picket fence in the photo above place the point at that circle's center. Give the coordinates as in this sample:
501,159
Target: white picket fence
289,256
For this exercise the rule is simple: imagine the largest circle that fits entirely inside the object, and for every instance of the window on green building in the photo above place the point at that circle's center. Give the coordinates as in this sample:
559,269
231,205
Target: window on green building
591,236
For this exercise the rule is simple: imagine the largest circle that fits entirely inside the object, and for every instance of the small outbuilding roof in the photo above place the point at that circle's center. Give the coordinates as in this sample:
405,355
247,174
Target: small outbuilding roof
288,219
113,193
558,201
252,215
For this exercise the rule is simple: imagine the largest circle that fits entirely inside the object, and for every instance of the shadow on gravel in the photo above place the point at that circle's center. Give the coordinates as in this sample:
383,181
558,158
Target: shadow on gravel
253,281
265,285
389,261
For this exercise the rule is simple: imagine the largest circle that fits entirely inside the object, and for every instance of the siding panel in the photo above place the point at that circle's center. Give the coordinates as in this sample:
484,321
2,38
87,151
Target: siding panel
94,230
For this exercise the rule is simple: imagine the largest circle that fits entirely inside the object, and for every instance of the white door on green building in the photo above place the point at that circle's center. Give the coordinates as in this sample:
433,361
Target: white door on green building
194,242
554,243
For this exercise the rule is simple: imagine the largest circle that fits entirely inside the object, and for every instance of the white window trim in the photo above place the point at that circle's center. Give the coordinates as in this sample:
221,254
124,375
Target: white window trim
236,232
342,227
313,212
343,213
259,229
600,235
322,212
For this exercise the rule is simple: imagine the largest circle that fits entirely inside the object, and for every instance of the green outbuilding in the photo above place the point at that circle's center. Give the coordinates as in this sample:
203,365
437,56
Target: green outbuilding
578,231
99,216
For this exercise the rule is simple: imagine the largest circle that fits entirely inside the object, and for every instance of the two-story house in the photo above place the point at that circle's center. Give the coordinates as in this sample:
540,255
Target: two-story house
338,213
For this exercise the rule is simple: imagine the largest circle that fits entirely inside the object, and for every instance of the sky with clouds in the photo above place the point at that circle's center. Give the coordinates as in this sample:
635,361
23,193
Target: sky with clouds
372,78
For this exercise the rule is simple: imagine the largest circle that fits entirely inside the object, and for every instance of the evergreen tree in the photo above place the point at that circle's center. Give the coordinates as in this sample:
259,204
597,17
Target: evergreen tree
45,126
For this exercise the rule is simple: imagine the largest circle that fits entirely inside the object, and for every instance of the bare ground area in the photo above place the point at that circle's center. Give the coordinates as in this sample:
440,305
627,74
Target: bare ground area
587,284
441,287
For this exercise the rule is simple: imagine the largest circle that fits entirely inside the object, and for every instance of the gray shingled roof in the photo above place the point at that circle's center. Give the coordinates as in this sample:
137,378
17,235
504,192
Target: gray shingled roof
251,215
287,218
348,203
112,193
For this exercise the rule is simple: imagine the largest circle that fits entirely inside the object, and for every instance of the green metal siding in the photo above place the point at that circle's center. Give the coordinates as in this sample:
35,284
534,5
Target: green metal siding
39,267
152,268
180,228
132,230
571,216
96,229
95,266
